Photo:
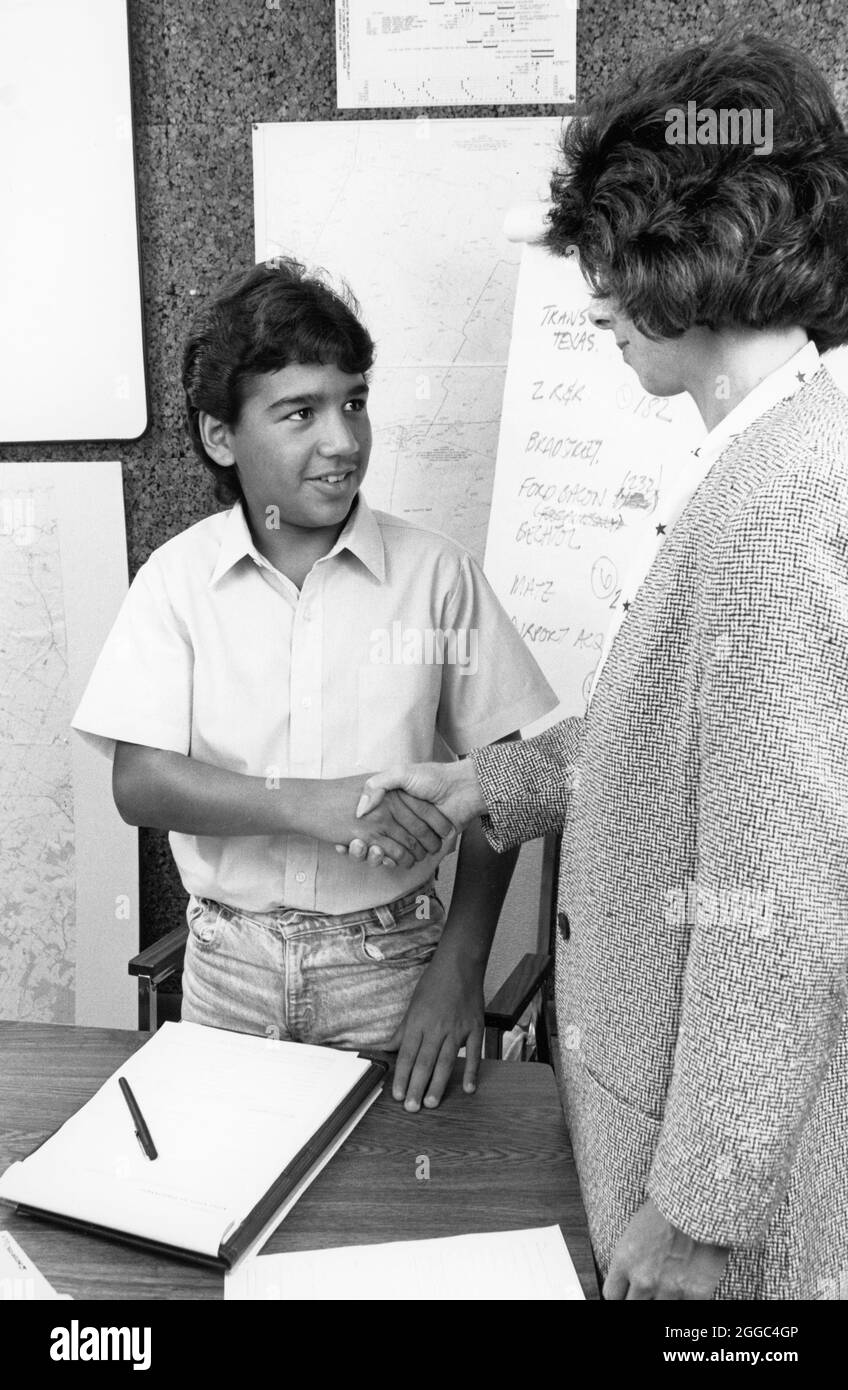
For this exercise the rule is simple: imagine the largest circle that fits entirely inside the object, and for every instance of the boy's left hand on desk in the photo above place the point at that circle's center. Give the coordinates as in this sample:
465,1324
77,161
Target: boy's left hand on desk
446,1012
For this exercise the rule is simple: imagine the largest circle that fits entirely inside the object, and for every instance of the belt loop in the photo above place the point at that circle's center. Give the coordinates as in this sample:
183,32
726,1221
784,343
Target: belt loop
385,917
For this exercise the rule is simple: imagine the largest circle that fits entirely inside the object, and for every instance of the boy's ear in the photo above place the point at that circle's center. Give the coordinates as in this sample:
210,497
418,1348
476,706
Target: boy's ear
217,439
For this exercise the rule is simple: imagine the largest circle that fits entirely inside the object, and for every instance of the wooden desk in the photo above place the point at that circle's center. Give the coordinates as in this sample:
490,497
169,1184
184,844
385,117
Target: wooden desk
499,1160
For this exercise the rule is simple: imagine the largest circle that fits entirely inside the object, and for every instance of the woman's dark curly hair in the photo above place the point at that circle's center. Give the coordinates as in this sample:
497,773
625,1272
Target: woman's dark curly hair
716,234
260,321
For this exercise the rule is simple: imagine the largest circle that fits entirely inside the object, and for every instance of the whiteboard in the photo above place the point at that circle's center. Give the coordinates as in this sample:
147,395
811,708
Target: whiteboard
71,349
585,464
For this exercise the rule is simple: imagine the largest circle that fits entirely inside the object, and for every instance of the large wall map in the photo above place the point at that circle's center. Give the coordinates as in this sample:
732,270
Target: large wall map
37,918
68,864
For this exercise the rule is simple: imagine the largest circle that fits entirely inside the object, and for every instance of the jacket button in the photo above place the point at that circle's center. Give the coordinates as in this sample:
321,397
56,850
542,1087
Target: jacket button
564,927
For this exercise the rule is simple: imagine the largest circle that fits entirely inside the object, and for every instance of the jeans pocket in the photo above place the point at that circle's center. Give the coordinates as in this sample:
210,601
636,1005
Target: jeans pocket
411,940
204,922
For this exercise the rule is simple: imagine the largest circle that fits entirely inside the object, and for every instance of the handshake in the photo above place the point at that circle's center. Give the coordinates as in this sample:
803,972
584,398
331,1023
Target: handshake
407,813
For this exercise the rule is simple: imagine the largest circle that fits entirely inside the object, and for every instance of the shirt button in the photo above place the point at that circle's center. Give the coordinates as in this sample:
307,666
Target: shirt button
564,926
306,702
301,878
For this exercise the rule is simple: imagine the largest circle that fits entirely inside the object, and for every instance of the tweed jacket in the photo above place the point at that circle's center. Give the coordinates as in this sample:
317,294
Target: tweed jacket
701,966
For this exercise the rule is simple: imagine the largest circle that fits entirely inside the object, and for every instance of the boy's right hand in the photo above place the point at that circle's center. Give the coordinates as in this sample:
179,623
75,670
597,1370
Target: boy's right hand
403,828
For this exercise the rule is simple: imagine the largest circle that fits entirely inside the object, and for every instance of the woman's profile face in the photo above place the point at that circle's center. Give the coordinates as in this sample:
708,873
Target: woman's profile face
656,362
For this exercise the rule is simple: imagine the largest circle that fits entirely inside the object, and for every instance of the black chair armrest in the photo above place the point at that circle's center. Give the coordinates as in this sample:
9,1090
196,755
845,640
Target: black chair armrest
505,1007
161,960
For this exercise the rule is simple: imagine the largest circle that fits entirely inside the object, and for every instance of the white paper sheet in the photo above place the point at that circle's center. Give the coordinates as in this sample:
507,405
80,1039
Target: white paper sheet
69,251
455,53
227,1112
532,1264
19,1278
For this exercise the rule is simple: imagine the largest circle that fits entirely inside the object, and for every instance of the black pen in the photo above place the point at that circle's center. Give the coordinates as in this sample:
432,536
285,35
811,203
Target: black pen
142,1133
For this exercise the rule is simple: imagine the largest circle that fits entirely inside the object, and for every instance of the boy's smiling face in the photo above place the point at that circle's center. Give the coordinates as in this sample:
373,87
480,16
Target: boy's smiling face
302,444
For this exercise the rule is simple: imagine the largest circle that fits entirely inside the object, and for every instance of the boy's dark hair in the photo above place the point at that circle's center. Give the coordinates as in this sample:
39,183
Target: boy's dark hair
260,321
678,234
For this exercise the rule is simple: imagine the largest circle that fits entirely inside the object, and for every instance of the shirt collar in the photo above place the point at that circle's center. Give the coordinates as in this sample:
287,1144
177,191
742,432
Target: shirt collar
779,385
361,536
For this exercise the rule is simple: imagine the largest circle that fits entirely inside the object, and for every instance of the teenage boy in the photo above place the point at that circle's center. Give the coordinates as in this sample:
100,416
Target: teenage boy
269,656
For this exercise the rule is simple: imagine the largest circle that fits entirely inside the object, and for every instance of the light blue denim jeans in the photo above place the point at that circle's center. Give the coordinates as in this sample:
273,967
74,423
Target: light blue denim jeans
344,981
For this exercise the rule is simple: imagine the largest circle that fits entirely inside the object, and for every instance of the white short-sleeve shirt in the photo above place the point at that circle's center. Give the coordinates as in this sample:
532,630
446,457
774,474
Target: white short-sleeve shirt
395,642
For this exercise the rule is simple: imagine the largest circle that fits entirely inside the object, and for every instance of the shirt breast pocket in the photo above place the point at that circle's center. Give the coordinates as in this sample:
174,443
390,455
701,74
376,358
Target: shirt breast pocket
396,714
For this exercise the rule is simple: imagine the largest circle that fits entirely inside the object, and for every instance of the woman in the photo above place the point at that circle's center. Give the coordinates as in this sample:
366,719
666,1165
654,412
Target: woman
701,971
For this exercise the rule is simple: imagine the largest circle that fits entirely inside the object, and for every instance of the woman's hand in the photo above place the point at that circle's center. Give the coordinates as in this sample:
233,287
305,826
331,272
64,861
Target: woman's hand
653,1260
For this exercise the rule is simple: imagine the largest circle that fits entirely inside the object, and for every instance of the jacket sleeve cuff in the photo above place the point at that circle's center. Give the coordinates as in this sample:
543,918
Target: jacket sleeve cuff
718,1194
527,785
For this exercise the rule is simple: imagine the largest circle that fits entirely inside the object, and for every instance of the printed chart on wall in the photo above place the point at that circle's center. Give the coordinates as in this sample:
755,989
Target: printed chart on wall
455,52
586,460
411,213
